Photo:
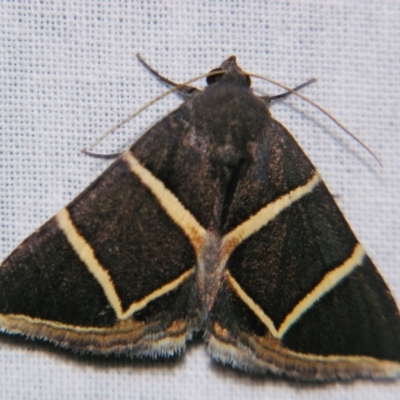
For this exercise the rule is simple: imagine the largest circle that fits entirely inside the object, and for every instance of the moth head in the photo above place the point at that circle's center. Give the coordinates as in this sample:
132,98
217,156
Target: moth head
229,71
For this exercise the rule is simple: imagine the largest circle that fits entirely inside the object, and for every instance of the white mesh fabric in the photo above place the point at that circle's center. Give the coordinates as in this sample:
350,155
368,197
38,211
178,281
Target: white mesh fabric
68,73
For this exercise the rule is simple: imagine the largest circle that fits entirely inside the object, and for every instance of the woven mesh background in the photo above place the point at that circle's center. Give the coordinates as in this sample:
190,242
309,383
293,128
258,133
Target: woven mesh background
68,73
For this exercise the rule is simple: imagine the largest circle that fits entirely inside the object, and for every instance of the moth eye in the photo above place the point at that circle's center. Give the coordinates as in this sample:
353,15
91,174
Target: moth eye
214,78
248,80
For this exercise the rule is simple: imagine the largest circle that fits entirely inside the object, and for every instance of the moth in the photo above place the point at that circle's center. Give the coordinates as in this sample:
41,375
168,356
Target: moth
214,221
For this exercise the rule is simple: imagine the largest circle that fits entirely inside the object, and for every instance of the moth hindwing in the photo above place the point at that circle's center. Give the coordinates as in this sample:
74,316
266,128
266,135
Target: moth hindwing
213,221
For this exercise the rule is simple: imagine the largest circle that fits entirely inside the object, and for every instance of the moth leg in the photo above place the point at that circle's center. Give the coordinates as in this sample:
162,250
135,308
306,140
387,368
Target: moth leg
184,90
98,155
269,99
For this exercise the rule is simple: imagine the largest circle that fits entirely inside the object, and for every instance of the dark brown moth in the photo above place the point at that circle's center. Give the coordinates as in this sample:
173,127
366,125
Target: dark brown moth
213,221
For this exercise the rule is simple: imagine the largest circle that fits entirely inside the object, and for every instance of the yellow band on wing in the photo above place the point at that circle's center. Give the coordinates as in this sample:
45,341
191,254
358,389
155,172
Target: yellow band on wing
328,282
86,253
169,202
266,214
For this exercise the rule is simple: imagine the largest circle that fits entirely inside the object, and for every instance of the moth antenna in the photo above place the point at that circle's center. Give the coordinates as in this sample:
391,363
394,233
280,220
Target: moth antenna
297,88
317,106
136,113
184,90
